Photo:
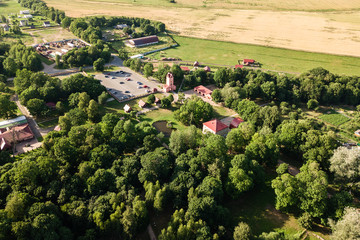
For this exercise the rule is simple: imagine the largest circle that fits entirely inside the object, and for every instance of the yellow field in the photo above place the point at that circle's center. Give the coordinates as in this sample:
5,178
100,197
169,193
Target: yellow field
277,23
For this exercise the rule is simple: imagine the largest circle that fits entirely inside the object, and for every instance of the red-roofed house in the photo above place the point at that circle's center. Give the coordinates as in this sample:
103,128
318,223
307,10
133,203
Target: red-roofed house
169,86
142,104
216,127
185,69
18,134
239,66
236,122
207,69
248,61
203,91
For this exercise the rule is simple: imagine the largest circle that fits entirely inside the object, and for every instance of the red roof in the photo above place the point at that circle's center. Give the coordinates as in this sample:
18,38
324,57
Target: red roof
203,90
249,61
215,125
20,133
239,66
185,68
235,122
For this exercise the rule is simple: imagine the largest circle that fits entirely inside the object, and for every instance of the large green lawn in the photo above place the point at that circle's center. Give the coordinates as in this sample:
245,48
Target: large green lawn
10,6
227,53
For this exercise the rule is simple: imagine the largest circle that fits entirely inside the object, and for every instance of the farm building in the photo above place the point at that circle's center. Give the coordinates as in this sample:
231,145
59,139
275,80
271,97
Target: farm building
142,104
23,23
15,134
169,86
216,127
25,12
46,24
203,91
127,108
5,27
28,16
185,69
144,41
196,64
236,122
239,66
247,62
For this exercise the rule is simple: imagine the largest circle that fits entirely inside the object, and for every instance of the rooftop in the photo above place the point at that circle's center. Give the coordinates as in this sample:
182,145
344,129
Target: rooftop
215,125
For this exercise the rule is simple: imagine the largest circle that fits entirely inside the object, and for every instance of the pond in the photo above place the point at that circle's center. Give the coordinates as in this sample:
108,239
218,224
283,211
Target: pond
161,126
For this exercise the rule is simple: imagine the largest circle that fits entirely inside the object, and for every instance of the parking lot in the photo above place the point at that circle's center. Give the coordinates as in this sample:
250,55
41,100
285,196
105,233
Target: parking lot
124,84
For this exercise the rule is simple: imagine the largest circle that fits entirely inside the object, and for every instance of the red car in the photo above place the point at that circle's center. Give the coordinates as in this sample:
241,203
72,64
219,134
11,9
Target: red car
145,86
127,79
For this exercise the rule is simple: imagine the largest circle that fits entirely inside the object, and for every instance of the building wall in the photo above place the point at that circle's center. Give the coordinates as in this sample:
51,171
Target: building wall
223,132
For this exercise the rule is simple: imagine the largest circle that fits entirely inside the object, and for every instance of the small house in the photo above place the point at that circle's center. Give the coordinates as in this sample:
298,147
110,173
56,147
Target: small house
236,122
121,26
196,64
23,23
142,104
157,100
203,91
57,128
29,16
215,127
25,12
46,24
127,108
169,86
239,66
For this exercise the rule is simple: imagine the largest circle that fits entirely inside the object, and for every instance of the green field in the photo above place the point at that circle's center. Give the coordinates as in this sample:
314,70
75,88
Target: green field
334,118
10,6
278,59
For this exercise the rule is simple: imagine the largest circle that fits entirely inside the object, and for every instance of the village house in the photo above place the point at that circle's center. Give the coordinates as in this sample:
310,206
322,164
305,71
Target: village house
203,91
216,127
169,86
196,64
127,108
157,101
239,66
357,133
144,41
142,104
46,24
28,16
207,69
185,69
23,23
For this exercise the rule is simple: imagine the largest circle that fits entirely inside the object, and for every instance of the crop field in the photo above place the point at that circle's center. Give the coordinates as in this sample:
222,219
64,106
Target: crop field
225,53
334,118
326,26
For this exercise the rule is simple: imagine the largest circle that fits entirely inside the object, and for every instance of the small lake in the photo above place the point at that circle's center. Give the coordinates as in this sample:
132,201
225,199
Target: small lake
161,127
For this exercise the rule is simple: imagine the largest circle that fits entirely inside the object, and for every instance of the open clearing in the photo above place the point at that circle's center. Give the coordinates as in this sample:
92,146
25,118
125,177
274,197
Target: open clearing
215,52
326,26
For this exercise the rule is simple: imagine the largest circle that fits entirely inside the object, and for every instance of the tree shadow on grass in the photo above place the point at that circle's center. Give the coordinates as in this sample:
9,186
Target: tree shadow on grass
257,209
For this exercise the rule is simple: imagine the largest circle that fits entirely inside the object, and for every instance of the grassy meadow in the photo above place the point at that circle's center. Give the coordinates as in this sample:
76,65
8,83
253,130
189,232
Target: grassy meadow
10,7
334,118
278,59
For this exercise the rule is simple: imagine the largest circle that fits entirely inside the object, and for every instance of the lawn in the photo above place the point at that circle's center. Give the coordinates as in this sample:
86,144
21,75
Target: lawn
160,115
278,59
48,123
334,118
223,112
10,6
257,209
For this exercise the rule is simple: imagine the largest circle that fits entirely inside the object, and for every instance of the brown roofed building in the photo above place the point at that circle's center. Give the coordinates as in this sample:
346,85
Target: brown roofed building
16,134
144,41
142,104
203,91
207,69
185,69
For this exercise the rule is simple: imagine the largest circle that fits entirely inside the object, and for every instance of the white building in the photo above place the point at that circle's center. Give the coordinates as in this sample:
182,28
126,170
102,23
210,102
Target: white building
25,12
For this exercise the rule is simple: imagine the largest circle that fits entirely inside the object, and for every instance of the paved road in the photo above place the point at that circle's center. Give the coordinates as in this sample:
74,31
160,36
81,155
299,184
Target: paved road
32,123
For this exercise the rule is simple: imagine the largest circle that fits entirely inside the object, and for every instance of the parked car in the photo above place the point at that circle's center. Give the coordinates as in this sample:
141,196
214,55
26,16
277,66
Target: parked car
122,72
139,87
106,76
127,79
145,86
121,82
113,77
127,91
